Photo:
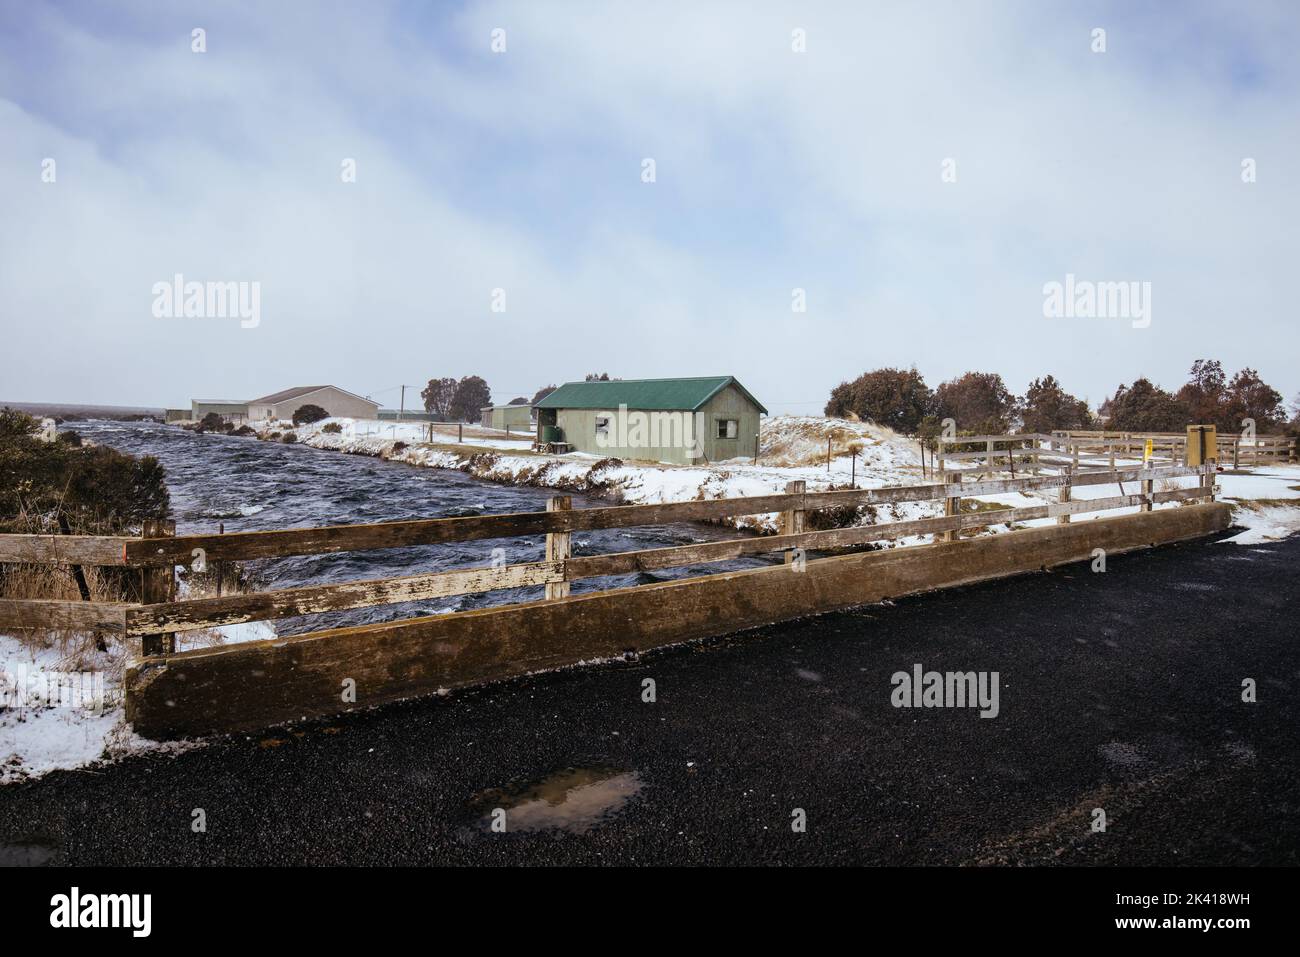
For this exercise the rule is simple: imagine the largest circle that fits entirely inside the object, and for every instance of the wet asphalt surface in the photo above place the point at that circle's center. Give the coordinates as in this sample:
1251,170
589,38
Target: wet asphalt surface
1119,690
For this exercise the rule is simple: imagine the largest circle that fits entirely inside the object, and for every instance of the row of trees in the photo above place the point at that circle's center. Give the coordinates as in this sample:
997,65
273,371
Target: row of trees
459,400
980,402
454,400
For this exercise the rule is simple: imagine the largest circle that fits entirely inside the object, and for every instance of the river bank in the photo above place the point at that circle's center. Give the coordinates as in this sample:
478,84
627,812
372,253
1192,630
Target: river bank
792,448
1266,501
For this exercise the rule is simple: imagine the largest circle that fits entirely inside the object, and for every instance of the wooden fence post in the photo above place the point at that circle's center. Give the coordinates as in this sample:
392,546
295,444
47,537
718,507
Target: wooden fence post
952,505
1148,486
1207,481
157,584
559,545
794,520
1065,490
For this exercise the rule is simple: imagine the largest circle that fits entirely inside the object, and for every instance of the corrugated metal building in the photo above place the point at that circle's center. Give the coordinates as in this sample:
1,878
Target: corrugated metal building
230,410
678,421
335,401
517,418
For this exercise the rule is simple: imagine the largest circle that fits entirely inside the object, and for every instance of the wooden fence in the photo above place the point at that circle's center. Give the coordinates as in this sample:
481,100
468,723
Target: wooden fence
1236,450
158,617
1036,453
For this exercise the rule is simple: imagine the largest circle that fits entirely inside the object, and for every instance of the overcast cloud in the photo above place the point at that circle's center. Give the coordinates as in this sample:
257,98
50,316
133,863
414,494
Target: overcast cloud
522,171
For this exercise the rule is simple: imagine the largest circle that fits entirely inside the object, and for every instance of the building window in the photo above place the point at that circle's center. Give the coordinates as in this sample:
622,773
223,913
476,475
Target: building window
602,425
728,428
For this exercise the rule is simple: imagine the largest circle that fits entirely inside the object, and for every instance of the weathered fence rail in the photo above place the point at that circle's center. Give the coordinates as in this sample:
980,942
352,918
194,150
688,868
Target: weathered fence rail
157,617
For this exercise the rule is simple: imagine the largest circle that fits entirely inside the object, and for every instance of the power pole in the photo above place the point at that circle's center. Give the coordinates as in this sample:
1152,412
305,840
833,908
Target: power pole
402,408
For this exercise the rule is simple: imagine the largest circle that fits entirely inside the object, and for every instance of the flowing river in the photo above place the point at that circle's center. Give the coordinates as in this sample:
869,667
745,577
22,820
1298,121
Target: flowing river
248,485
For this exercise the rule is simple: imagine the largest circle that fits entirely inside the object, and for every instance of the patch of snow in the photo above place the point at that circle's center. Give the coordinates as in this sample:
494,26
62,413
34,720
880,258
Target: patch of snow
1267,524
43,733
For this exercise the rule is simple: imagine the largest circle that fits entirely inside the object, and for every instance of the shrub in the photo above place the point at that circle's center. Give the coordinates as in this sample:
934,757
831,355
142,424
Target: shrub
95,489
1046,407
1144,407
64,487
332,428
897,398
978,401
307,414
243,430
211,422
289,438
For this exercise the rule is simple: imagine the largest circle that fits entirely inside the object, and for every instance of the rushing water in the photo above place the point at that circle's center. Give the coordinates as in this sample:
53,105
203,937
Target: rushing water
249,485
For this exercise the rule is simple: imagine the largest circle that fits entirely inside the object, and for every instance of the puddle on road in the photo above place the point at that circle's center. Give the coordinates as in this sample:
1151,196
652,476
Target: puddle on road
29,854
574,800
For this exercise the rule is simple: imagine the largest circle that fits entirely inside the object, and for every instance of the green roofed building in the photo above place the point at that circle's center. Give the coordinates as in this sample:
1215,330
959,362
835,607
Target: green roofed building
677,421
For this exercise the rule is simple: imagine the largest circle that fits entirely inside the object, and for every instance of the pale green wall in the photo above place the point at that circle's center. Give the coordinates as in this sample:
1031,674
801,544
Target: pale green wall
730,403
517,417
579,427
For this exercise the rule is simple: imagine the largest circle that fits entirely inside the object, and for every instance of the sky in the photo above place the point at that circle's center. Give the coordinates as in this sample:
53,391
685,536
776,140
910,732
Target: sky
920,171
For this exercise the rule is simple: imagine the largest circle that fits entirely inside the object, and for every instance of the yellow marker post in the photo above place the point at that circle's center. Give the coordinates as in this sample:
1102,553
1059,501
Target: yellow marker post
1146,452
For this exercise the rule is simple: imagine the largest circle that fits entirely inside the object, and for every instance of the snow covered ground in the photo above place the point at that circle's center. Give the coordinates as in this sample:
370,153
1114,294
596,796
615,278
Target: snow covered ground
35,740
62,708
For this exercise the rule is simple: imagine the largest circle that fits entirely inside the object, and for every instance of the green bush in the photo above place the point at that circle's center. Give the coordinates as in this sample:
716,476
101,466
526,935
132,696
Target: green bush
333,428
307,414
212,422
289,438
92,489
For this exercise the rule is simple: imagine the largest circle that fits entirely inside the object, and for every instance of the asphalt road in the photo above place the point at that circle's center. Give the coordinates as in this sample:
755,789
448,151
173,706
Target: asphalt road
1119,691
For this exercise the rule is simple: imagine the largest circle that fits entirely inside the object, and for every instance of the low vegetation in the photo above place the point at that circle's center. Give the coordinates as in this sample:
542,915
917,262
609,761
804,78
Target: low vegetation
307,414
66,487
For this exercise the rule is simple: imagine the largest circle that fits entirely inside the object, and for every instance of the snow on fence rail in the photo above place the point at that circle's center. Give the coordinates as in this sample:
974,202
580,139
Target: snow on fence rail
157,618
